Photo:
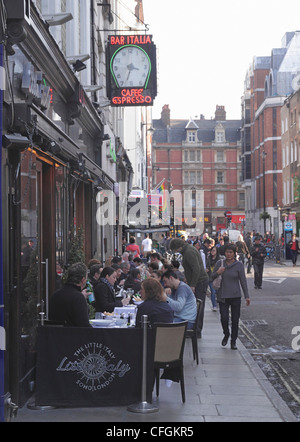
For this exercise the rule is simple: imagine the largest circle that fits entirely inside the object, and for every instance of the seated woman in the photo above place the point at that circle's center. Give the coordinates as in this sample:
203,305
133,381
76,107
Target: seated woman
133,281
154,306
105,300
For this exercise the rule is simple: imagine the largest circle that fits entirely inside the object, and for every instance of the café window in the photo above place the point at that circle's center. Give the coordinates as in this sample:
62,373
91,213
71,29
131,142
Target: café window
60,214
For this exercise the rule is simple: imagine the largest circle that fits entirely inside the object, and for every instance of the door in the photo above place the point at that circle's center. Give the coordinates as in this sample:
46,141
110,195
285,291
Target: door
37,274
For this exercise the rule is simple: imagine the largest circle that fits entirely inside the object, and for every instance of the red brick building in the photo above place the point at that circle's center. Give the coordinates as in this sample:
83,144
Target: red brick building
201,159
267,85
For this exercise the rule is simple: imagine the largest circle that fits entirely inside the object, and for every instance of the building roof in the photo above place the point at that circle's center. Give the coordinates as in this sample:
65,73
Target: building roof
176,132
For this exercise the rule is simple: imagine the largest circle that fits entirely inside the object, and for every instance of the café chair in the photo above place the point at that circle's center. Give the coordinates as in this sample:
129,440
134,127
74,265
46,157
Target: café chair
169,340
192,333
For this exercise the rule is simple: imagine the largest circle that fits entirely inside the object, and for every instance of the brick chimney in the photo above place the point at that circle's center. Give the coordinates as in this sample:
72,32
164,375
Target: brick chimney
220,114
165,115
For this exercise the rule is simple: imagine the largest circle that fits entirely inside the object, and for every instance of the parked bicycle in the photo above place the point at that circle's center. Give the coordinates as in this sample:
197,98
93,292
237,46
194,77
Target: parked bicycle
270,249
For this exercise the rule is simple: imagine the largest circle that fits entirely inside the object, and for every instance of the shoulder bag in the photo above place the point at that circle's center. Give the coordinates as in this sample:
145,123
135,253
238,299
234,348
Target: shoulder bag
217,282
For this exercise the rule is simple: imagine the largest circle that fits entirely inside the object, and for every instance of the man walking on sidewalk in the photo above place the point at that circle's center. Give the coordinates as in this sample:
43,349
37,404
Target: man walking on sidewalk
258,253
194,272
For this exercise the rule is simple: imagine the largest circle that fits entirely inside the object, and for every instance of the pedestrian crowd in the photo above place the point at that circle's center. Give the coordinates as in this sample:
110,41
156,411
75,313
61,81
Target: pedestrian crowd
166,286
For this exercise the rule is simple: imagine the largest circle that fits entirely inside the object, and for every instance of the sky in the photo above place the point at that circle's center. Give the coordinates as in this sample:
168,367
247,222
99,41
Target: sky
204,49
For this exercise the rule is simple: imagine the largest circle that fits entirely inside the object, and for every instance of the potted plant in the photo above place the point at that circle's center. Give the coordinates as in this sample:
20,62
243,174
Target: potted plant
264,215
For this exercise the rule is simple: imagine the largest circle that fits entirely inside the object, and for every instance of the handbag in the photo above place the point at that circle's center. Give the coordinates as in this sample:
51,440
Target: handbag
217,282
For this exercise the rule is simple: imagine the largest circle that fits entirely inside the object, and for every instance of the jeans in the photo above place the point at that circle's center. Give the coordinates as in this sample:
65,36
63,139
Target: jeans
212,295
200,293
258,273
190,324
249,264
294,255
235,305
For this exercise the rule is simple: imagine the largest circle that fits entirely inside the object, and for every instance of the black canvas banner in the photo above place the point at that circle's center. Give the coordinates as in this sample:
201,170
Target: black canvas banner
90,367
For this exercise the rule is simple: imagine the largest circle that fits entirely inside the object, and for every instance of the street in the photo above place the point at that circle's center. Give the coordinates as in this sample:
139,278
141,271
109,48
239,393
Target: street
270,328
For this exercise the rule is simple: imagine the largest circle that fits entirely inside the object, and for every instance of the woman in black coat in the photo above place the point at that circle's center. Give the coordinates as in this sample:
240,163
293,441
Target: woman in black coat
154,305
105,299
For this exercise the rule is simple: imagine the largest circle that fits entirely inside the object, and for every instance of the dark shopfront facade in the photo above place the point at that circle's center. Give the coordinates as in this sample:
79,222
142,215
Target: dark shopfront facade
51,164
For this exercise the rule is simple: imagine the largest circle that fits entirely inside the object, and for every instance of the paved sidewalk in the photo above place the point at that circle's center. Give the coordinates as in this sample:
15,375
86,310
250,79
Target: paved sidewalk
226,386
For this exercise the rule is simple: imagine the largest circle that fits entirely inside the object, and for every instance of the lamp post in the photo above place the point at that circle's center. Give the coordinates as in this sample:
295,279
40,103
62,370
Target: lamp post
149,131
264,187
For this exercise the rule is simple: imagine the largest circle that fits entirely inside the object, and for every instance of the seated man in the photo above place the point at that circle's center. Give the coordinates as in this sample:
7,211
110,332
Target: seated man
155,257
181,299
68,305
94,274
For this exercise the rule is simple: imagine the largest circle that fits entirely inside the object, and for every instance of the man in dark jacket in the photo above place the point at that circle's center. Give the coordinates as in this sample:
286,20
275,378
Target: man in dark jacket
258,253
68,305
194,272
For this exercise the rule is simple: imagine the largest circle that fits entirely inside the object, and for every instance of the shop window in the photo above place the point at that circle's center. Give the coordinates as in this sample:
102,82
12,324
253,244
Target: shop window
60,215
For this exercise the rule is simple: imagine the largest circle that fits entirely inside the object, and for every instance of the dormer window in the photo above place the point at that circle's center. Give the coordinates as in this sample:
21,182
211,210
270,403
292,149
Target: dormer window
191,136
191,131
219,134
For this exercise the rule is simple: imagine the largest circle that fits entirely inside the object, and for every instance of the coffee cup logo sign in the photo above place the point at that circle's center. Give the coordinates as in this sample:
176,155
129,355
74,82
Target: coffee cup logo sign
96,366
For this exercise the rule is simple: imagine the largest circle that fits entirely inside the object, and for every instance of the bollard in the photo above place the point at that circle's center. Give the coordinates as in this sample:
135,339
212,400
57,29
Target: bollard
143,406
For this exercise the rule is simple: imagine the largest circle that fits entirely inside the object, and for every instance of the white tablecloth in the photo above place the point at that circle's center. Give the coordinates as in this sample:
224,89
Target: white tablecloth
126,310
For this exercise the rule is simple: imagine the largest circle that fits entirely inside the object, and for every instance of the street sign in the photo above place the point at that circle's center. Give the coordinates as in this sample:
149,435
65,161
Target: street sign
288,226
228,214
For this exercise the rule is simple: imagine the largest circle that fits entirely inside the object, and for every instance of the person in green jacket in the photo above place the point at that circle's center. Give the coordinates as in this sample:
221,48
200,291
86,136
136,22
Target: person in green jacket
195,273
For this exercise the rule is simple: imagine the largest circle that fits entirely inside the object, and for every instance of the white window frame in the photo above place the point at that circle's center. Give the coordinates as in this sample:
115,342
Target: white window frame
218,160
191,136
220,200
220,174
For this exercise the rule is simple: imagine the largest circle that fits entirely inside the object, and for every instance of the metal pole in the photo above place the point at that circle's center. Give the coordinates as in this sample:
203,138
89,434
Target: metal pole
47,288
264,188
143,406
2,330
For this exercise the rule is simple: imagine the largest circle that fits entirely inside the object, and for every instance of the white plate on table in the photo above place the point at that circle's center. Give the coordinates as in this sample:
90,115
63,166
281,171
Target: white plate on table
103,323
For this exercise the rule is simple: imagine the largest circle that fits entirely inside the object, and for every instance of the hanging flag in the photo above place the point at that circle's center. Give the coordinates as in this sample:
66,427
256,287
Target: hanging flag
162,191
112,152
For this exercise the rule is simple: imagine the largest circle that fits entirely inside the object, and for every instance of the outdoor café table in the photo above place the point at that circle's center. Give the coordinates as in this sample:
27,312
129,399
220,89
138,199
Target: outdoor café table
90,367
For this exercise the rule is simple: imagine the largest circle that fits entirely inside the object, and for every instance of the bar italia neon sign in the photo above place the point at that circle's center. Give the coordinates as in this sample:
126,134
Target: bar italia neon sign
131,70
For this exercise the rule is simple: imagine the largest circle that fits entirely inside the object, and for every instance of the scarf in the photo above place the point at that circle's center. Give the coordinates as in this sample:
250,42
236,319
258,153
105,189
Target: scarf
105,281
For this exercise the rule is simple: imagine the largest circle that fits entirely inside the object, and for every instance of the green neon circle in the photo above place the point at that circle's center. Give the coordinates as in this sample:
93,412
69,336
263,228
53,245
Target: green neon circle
133,46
